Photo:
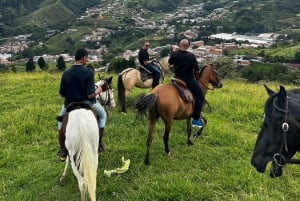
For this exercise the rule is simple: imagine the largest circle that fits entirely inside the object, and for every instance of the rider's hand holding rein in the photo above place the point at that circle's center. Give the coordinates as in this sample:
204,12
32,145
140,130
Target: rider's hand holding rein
97,92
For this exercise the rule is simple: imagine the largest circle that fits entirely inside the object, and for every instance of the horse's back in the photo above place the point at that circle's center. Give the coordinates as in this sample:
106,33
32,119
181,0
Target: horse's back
82,121
82,139
169,103
132,77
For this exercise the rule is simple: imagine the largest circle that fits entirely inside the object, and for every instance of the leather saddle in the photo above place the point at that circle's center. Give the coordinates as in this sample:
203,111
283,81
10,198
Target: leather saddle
182,89
145,73
74,106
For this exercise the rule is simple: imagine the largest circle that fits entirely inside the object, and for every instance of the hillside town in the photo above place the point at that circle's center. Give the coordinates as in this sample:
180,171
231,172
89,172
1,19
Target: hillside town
202,51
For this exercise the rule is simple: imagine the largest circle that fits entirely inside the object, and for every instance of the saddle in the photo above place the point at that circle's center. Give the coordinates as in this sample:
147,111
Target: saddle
182,90
74,106
145,73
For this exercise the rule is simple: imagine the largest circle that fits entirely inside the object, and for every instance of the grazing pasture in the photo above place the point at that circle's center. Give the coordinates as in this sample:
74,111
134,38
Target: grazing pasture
216,167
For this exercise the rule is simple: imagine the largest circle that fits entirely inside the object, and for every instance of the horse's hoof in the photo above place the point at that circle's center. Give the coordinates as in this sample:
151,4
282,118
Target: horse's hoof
168,154
146,162
124,113
189,142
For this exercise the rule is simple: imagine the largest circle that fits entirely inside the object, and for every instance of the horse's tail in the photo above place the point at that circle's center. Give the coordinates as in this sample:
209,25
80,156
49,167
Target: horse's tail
82,139
121,90
145,102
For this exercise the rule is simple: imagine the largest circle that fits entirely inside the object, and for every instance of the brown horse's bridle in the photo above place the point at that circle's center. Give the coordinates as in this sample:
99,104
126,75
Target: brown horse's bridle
207,86
279,160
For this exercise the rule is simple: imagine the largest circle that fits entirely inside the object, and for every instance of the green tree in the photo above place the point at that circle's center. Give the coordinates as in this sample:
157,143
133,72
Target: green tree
30,66
297,57
119,64
60,63
42,64
27,53
165,52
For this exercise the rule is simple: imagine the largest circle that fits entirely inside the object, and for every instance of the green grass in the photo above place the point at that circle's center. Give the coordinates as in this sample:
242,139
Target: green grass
216,167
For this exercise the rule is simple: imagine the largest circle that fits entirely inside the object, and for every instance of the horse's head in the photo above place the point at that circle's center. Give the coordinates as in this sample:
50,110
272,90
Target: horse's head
210,75
106,97
278,138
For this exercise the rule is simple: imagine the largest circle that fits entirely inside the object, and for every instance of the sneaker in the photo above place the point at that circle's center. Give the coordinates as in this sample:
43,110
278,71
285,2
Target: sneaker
62,153
197,123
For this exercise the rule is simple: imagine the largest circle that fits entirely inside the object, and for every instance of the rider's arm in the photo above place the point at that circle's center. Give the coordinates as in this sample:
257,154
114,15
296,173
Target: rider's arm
97,91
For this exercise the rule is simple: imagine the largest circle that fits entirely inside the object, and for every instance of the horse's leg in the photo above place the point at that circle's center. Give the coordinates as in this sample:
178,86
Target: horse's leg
153,117
127,92
168,125
149,141
189,131
65,170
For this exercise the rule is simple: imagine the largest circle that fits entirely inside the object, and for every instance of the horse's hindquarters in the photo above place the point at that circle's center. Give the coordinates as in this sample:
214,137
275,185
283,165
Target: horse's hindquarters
82,137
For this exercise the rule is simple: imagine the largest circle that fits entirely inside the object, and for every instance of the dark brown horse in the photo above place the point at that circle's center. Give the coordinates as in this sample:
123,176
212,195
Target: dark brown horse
165,102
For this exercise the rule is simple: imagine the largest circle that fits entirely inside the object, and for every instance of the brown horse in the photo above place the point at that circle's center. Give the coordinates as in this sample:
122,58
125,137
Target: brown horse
165,102
129,78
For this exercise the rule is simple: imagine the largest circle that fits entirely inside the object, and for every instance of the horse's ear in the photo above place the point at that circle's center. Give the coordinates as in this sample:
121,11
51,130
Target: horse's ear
270,91
109,80
281,96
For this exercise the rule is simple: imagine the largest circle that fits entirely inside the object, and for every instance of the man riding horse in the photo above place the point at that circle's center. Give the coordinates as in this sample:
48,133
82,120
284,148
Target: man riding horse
185,65
77,85
148,63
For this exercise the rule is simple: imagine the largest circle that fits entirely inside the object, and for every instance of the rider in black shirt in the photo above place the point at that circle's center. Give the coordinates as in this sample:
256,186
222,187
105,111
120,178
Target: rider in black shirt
184,65
146,62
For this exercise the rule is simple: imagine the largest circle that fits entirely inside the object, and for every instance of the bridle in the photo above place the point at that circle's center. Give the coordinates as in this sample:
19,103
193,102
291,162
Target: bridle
279,161
107,100
207,86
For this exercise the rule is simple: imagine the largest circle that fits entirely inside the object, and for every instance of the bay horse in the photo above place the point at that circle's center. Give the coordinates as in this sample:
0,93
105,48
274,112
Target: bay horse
279,137
81,141
165,102
130,78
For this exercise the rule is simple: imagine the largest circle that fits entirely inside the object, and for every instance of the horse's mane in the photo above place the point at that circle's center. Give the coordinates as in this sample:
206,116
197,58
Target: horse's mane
202,70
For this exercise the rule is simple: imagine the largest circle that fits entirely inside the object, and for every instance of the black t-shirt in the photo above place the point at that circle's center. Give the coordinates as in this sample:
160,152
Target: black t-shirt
76,84
184,64
143,56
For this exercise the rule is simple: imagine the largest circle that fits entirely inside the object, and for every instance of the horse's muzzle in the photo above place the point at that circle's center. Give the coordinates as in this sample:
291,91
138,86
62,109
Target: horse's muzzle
219,85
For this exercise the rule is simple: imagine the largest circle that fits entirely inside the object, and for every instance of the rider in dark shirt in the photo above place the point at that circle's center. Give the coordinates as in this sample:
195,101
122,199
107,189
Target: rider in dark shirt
184,65
77,85
146,62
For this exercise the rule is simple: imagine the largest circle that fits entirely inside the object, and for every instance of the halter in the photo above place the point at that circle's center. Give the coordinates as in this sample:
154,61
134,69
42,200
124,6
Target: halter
106,102
206,86
279,160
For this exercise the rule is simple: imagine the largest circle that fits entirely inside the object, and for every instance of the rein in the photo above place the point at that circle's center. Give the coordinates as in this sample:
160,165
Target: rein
107,96
206,86
279,160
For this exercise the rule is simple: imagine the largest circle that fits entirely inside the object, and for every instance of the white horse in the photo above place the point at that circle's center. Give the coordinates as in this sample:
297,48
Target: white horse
82,139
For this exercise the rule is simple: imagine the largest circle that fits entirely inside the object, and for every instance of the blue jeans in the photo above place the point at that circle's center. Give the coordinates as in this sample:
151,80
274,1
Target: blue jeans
156,74
197,92
97,107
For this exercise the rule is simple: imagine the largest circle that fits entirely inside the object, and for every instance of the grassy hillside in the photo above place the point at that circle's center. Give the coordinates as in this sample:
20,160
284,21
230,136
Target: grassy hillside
48,16
216,167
